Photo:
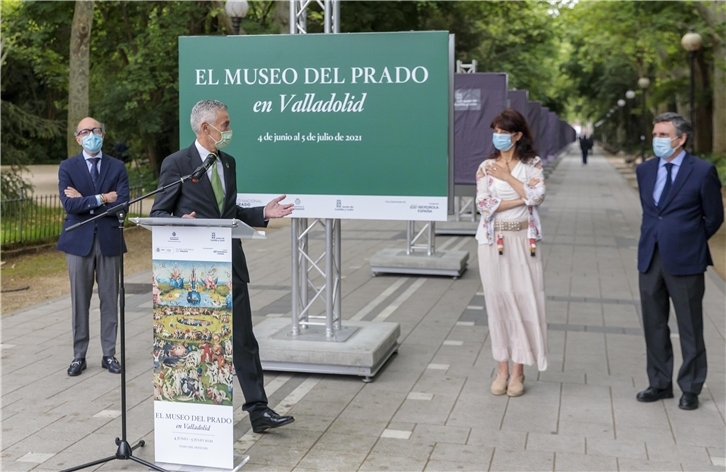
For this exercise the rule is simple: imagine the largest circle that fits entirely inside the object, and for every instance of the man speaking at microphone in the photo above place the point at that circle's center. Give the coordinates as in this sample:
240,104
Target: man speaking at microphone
214,195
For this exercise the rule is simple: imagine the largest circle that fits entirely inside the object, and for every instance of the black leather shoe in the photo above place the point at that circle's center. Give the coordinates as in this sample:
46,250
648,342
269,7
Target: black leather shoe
111,364
689,401
268,420
77,366
652,394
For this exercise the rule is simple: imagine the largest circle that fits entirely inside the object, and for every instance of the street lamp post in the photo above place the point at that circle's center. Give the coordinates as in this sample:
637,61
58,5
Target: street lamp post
691,42
236,10
621,104
643,83
630,95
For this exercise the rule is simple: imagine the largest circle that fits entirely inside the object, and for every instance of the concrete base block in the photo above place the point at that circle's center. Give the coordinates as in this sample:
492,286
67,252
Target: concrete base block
396,261
456,228
362,350
239,462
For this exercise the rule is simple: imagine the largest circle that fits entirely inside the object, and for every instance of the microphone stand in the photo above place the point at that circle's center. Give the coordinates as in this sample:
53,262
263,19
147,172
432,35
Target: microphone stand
124,450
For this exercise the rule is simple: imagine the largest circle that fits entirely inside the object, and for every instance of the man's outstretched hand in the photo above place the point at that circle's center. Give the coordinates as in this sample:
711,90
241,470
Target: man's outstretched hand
275,210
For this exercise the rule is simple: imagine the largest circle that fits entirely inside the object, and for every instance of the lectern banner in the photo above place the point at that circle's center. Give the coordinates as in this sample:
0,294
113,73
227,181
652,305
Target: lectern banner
351,126
193,374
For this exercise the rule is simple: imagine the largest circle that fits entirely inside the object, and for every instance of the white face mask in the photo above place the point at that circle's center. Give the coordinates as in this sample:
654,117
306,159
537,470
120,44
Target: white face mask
662,147
224,140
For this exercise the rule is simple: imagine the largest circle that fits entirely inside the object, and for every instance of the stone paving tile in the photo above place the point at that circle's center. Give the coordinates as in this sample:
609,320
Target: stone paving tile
435,411
440,434
512,460
290,438
343,443
555,443
643,465
311,423
462,453
601,430
251,466
597,446
12,465
276,456
689,434
511,440
702,468
383,462
662,436
561,377
571,462
358,427
403,447
325,459
543,420
449,466
316,407
677,453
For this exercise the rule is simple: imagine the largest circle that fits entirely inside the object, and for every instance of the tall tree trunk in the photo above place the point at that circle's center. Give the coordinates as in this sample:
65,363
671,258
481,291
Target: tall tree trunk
282,15
719,98
714,14
78,70
703,141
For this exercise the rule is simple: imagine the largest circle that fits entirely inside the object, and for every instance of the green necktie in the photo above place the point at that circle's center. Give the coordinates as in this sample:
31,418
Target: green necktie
217,187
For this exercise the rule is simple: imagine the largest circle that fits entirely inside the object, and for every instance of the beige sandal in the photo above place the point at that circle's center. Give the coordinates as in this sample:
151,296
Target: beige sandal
516,386
499,386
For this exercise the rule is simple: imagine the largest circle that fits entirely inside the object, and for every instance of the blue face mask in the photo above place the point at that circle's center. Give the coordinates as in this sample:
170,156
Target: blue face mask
662,147
502,141
92,143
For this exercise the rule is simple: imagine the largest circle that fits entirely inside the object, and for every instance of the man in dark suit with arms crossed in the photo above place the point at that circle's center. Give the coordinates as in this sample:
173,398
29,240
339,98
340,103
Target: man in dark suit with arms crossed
682,208
88,183
214,195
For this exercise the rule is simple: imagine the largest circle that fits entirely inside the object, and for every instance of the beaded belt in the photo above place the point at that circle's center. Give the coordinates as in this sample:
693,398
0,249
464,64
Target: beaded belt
510,225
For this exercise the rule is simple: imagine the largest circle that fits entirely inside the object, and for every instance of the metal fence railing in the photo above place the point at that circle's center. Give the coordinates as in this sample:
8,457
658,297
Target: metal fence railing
35,219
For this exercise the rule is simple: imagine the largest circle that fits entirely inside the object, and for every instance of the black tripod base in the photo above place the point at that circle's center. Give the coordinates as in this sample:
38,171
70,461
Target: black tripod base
123,453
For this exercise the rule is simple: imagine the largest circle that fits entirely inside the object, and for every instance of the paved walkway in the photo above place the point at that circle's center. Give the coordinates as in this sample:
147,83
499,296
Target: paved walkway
430,408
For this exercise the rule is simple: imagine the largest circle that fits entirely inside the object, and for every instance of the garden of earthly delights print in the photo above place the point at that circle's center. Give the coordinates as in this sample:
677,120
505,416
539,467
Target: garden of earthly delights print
192,303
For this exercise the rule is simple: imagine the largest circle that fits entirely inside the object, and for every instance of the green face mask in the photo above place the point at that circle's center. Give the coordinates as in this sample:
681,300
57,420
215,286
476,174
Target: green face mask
224,140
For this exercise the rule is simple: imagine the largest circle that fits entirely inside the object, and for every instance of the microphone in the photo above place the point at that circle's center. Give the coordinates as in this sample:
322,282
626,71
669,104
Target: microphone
202,169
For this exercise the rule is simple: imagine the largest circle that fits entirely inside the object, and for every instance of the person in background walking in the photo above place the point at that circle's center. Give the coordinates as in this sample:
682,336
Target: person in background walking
682,208
510,185
586,143
87,183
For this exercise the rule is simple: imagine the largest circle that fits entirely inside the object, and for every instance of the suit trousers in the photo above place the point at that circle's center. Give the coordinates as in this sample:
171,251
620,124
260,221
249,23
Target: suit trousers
657,288
81,271
246,353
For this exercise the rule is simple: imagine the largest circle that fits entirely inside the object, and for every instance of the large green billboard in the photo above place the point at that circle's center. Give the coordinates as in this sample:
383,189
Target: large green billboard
347,125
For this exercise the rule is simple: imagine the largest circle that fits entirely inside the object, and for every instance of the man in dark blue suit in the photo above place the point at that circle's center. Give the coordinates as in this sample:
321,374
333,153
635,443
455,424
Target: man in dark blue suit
87,183
682,208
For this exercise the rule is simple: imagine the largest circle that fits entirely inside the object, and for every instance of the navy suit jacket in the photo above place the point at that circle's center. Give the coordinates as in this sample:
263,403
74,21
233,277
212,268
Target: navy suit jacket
690,214
73,172
199,197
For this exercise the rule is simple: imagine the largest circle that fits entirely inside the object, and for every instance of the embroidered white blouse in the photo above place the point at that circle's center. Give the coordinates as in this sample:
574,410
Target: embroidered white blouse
489,196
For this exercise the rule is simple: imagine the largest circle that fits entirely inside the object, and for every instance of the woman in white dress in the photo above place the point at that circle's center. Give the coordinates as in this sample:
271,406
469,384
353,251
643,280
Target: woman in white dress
510,185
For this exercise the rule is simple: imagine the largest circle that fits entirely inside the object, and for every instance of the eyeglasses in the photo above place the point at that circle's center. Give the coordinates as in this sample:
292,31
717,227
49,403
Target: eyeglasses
85,132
